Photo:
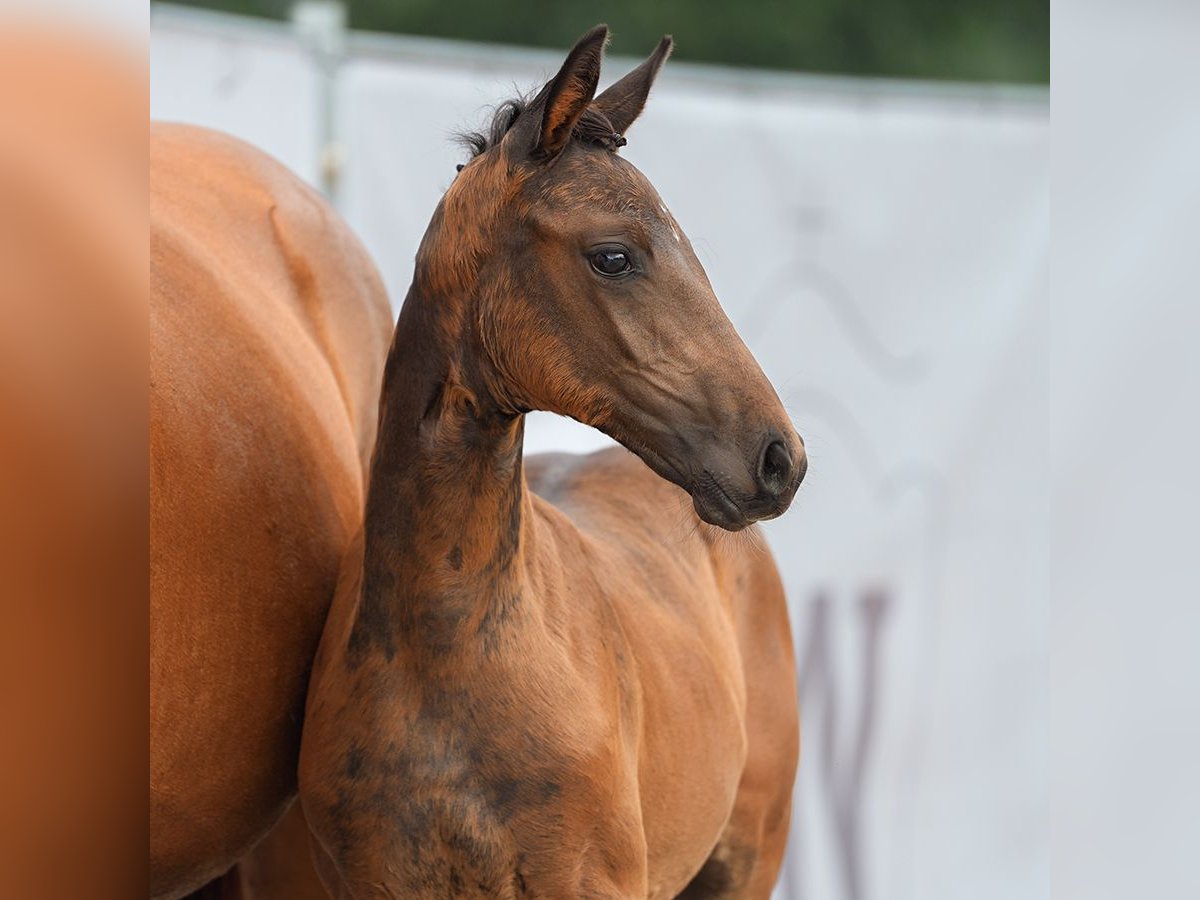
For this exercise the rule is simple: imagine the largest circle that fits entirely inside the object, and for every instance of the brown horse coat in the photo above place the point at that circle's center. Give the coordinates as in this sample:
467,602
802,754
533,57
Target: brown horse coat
269,327
556,679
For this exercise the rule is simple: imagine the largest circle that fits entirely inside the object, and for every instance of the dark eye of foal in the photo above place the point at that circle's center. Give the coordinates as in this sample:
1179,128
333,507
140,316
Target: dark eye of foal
611,262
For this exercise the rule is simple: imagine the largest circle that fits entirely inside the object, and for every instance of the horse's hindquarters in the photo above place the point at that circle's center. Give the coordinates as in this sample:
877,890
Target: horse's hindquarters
249,523
268,329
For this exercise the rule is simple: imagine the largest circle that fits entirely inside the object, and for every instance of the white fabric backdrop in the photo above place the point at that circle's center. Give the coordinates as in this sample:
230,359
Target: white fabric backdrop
883,249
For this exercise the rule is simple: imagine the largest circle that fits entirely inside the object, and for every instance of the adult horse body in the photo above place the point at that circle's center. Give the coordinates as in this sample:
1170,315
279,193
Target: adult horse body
583,689
268,333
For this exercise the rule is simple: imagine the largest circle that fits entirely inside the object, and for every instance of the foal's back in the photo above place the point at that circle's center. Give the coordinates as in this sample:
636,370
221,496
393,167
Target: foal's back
704,617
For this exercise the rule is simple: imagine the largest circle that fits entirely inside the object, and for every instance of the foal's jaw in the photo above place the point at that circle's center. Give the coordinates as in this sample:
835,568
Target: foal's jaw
733,480
707,419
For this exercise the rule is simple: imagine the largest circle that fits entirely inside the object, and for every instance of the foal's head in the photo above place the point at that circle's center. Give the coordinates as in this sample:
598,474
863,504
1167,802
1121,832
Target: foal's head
587,299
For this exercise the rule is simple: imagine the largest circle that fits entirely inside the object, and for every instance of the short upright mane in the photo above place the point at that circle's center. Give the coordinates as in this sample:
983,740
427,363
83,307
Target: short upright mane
593,127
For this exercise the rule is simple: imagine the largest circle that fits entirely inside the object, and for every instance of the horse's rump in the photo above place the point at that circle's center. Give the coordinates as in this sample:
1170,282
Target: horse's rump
269,326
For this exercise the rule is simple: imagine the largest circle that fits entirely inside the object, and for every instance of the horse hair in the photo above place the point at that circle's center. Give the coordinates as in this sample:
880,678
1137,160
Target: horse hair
593,127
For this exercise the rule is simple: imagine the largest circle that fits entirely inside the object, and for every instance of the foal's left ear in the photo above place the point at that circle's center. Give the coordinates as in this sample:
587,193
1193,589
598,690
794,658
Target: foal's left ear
623,100
566,97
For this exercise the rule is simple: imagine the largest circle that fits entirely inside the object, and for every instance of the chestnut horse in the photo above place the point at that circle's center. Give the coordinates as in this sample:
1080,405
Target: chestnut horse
556,679
269,328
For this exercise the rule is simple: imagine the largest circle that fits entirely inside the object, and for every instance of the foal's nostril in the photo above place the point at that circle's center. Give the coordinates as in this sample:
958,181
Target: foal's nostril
775,470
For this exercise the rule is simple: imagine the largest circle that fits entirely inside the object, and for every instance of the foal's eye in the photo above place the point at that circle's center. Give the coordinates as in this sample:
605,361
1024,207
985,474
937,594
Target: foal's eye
611,262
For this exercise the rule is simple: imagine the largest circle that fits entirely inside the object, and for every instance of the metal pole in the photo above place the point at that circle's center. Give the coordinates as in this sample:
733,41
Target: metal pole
321,29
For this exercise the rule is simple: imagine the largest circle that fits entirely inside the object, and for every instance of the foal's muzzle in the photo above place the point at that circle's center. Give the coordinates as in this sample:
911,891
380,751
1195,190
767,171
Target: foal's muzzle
777,470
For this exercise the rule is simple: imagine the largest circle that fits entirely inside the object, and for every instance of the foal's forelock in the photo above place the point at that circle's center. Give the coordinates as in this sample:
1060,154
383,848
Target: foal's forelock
593,127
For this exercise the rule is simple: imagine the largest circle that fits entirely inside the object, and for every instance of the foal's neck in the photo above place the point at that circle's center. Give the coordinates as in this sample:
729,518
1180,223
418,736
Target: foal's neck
447,511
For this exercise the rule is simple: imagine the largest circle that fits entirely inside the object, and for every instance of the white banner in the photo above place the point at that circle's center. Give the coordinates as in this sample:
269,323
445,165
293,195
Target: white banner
883,250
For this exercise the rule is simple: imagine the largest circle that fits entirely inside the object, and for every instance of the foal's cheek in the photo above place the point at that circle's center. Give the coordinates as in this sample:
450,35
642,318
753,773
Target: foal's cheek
554,382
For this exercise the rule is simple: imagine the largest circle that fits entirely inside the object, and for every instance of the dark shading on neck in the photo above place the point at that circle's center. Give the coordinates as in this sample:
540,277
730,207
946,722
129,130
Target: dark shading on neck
446,493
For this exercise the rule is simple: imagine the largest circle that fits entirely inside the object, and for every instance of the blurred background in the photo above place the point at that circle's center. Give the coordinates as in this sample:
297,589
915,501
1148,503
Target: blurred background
867,185
964,40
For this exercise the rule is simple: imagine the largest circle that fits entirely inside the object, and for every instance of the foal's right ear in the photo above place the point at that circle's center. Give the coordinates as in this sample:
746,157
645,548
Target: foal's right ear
623,100
565,98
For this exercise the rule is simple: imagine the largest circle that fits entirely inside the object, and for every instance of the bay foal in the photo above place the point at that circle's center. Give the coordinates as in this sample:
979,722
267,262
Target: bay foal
549,679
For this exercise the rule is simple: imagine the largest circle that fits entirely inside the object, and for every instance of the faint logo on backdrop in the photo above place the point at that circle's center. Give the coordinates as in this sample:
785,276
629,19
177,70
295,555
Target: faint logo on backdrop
838,736
864,735
843,804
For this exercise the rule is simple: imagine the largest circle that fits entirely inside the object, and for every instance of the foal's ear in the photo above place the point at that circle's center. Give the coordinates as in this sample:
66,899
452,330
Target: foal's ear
622,102
561,102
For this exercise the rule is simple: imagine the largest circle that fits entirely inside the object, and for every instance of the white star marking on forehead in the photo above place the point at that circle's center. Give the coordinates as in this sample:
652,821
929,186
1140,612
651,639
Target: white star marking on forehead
670,220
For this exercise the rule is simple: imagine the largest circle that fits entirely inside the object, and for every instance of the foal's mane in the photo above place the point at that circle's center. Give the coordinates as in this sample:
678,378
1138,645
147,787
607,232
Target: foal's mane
593,127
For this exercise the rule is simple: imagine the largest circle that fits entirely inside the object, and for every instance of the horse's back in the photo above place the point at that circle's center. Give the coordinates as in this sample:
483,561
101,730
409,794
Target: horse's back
269,327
